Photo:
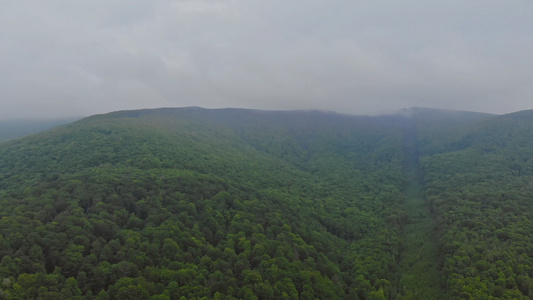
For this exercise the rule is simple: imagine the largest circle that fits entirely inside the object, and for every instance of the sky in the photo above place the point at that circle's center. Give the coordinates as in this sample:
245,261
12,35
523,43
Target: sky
63,58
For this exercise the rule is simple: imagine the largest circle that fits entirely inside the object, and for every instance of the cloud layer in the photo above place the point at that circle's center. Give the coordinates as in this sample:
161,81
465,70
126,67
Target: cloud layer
65,58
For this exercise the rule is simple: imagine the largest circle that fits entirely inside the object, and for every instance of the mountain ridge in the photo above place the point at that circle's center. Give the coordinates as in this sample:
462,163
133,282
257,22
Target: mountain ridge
233,204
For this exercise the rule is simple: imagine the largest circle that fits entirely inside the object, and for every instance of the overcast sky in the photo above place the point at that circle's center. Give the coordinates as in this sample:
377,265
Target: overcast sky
71,58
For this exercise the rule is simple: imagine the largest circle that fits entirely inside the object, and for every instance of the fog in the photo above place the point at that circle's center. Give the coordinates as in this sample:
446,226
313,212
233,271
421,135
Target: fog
70,58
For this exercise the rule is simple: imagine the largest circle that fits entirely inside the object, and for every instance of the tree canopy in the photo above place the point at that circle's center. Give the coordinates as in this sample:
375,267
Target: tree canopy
240,204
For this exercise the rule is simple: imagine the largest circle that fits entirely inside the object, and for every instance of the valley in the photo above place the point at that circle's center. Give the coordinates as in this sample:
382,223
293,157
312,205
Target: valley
419,276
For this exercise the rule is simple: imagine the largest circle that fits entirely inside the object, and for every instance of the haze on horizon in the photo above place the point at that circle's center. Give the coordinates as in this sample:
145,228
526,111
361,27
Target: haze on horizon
63,58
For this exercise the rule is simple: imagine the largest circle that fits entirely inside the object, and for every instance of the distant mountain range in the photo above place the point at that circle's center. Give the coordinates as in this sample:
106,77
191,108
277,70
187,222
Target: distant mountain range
18,128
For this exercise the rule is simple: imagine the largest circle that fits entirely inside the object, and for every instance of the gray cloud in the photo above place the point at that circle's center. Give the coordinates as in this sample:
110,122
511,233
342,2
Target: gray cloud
61,58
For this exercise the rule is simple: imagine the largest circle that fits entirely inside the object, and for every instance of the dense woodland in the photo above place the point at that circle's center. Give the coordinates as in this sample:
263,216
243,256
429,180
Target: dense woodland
193,203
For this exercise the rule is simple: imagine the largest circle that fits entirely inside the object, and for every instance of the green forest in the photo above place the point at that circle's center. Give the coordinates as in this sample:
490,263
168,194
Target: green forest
192,203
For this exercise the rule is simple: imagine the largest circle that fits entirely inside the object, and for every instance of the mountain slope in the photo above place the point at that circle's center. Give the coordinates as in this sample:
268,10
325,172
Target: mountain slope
243,204
439,130
481,195
199,203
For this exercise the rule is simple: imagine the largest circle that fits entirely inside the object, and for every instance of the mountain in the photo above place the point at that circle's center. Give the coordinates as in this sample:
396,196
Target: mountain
249,204
481,197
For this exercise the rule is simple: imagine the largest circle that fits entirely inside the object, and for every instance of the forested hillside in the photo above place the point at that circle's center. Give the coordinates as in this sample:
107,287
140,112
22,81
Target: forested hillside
193,203
481,194
202,204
